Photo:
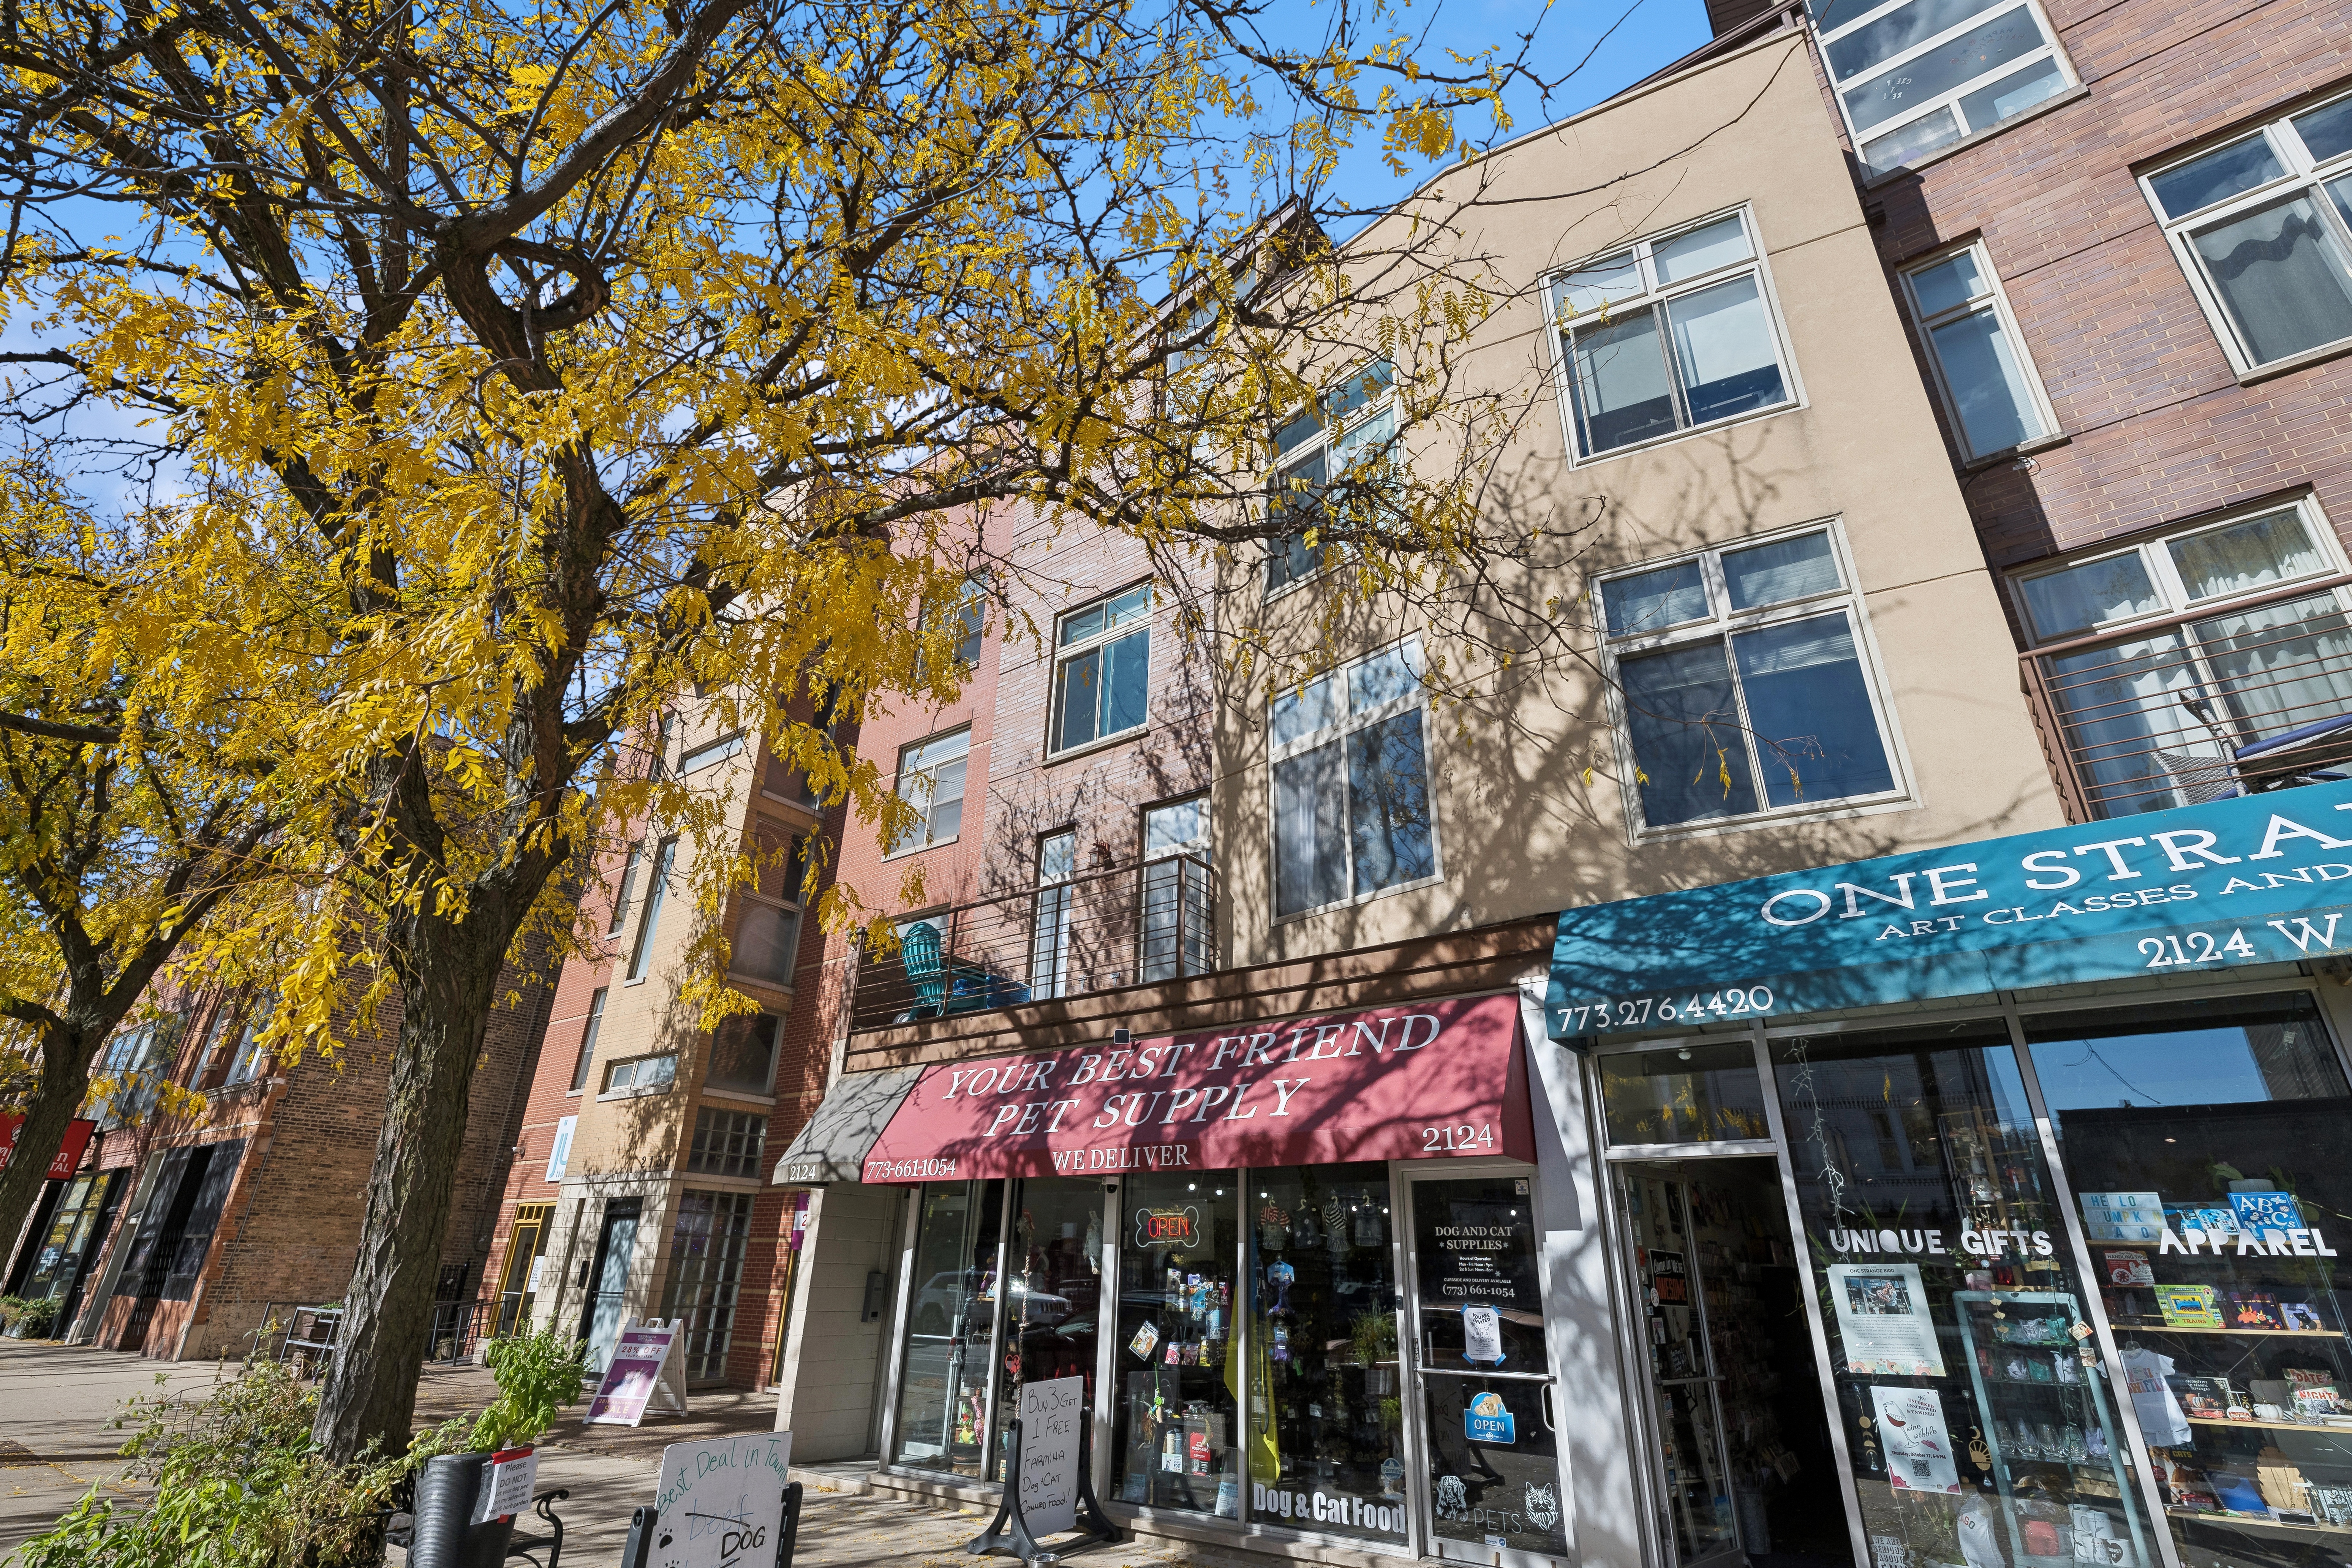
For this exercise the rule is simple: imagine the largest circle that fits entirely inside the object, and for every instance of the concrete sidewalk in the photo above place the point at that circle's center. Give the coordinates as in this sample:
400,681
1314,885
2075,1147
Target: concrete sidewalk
56,1443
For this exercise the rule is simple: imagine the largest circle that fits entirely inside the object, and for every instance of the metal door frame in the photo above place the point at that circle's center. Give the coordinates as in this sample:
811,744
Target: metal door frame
1404,1176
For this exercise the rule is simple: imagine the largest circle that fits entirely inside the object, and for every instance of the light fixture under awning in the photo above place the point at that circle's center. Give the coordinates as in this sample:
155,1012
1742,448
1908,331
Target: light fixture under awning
833,1145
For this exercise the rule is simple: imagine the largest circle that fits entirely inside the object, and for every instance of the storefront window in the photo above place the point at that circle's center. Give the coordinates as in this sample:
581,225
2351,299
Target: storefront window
950,1328
1486,1376
1177,1382
1326,1448
1686,1094
1050,1311
1978,1417
2207,1144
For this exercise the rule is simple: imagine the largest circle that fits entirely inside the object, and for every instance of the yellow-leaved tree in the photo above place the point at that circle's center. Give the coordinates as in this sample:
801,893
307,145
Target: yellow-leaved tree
518,367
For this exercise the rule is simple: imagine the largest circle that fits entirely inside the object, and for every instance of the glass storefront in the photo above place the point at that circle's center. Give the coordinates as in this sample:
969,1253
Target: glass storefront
1054,1303
2206,1144
1326,1402
1177,1384
1980,1424
951,1329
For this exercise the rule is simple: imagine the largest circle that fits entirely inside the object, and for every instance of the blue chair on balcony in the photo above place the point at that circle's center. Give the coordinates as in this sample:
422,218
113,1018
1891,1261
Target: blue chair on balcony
919,951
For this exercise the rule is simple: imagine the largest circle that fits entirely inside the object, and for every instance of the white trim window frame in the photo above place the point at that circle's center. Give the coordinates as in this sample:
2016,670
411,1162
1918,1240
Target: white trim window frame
934,770
1669,335
2226,208
1341,792
1982,370
1912,77
1356,422
1705,649
1102,668
2175,651
633,1076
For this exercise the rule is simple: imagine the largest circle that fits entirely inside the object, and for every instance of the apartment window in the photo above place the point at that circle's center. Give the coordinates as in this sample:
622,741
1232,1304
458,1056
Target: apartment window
249,1053
1179,924
625,890
743,1053
931,779
641,955
1743,681
766,939
969,611
1918,75
1337,440
1351,783
588,1041
641,1074
2263,227
1982,372
1049,939
1669,334
1102,668
2221,676
710,755
135,1060
726,1143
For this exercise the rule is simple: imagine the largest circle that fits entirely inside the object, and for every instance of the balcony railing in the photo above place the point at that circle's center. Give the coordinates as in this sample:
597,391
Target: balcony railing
1129,926
2238,704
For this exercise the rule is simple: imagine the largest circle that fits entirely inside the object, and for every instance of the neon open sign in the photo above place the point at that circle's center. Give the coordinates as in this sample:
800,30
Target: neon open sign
1168,1228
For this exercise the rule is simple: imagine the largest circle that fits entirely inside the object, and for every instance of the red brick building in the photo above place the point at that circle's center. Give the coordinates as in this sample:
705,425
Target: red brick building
2121,239
179,1237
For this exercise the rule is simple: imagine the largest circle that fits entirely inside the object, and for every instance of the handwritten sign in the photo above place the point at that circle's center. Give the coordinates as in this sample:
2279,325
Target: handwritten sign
506,1490
1053,1427
644,1373
720,1503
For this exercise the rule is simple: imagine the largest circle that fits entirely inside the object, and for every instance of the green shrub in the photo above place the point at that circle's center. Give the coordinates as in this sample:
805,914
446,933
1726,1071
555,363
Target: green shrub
238,1484
36,1317
538,1374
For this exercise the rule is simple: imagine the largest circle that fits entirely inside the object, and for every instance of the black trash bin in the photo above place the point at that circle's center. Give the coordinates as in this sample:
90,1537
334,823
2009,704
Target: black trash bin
445,1536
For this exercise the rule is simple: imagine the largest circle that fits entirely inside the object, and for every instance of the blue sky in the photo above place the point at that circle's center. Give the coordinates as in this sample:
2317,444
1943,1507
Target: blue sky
1647,35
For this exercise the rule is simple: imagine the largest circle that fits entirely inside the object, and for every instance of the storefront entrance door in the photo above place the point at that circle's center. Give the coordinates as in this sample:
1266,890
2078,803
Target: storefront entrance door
1739,1450
1491,1490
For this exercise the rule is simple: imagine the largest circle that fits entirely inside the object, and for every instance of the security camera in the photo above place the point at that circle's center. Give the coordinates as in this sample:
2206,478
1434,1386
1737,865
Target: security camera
1121,1036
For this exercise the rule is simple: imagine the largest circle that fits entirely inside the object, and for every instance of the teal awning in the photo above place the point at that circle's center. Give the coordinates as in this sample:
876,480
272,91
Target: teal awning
2259,879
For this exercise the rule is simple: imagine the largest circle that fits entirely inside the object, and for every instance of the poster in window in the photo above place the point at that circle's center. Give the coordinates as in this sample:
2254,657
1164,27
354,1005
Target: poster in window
1883,1320
1918,1444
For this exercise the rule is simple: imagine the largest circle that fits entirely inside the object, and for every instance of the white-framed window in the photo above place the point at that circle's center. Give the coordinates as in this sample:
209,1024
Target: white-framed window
588,1043
249,1053
1916,75
1745,682
1050,933
641,952
625,890
709,755
931,779
2263,227
1671,333
1983,371
1351,813
1178,906
970,610
1352,427
1102,669
641,1074
2188,667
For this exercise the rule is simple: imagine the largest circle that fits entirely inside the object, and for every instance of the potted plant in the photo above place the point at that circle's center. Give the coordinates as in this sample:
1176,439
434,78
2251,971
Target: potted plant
537,1376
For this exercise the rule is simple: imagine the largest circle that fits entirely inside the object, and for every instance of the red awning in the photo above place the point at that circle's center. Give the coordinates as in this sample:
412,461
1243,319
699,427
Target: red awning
1427,1080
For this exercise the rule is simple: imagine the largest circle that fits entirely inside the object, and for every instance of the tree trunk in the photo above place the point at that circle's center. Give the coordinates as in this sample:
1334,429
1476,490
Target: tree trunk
65,1078
449,984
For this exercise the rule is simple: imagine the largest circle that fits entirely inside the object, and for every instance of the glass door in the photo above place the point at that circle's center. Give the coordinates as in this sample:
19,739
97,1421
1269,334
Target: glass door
1671,1293
1491,1488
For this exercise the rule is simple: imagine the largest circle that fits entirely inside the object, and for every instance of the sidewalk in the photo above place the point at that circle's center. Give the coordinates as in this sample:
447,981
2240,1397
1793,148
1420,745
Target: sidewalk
55,1444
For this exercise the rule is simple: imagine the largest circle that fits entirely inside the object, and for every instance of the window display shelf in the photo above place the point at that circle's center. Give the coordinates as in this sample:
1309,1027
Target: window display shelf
2139,1327
2254,1522
2271,1425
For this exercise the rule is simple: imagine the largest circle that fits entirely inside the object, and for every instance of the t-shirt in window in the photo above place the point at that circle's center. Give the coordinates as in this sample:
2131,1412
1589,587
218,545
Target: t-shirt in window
2161,1419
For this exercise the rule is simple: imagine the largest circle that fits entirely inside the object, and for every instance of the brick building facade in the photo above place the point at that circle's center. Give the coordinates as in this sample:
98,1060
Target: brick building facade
179,1237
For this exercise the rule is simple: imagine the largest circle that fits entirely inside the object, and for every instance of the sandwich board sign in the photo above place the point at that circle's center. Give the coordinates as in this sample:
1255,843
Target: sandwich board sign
643,1375
1053,1425
719,1502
